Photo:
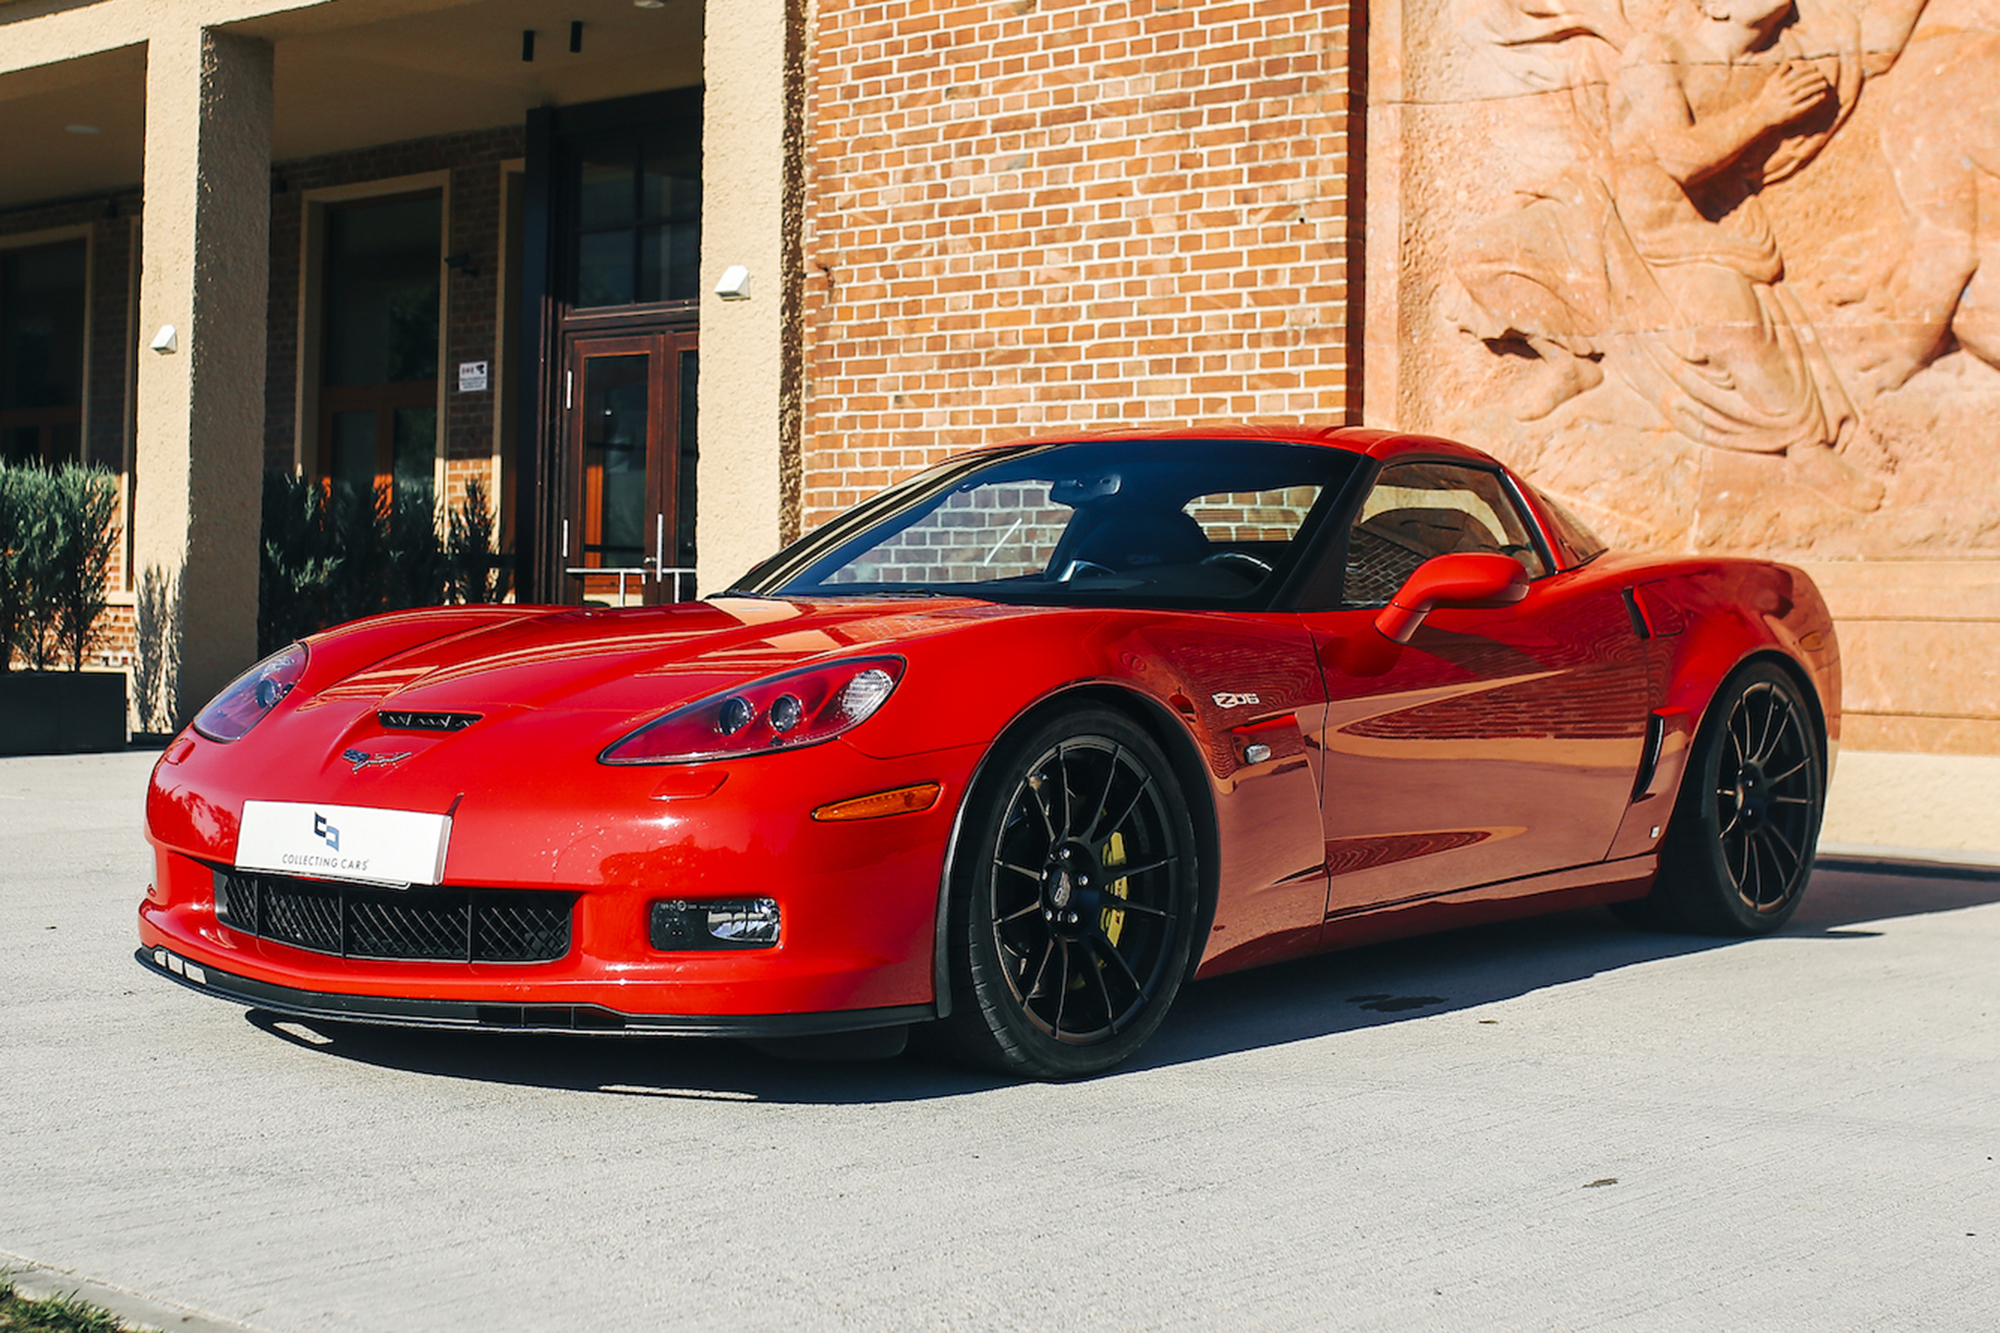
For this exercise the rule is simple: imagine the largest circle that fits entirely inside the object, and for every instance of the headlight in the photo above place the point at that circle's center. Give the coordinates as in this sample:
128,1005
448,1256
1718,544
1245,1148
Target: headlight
787,712
254,693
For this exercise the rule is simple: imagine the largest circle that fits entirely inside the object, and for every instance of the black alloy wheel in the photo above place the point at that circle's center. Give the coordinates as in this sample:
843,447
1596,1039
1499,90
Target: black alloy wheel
1740,849
1073,899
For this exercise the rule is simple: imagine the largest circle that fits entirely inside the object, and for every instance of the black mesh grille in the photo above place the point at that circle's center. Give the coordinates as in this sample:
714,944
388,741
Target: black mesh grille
309,920
448,925
378,929
519,932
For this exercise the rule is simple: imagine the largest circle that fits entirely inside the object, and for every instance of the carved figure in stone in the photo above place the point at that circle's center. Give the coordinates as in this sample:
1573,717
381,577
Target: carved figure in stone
1700,114
1653,253
1941,138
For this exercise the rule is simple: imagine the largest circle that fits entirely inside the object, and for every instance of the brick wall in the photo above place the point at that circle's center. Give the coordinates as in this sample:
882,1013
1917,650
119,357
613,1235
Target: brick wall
1040,215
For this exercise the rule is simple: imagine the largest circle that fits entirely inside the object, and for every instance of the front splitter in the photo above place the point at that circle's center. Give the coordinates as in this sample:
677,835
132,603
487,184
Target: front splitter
462,1015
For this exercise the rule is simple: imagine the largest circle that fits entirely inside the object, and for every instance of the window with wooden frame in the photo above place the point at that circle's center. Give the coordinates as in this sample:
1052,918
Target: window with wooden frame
44,305
381,303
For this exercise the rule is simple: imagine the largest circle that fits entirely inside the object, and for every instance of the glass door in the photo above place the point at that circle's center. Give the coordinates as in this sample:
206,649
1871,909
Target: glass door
628,538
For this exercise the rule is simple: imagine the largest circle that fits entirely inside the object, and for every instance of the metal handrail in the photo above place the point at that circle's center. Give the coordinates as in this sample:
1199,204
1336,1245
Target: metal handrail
642,572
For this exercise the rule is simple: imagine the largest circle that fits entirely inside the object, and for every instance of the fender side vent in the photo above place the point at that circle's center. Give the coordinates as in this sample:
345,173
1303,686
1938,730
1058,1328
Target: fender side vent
406,721
1639,625
1649,758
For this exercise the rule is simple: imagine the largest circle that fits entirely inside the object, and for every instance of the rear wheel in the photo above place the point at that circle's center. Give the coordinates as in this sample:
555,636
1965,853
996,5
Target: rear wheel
1740,848
1073,899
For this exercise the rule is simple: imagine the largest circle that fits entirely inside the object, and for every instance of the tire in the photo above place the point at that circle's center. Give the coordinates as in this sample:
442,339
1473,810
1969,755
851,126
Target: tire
1739,850
1052,981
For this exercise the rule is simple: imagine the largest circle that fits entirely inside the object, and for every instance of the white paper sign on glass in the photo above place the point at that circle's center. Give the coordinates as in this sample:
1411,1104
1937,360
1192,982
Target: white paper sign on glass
348,842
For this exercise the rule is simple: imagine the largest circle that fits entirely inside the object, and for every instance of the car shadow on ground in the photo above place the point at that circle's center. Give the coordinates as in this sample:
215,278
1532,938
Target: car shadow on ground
1313,997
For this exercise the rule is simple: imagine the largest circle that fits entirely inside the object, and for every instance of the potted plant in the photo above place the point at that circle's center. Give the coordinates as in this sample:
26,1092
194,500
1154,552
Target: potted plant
56,540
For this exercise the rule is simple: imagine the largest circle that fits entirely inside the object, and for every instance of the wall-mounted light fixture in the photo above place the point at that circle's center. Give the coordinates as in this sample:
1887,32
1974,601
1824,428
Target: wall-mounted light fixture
735,284
462,263
528,44
166,340
576,36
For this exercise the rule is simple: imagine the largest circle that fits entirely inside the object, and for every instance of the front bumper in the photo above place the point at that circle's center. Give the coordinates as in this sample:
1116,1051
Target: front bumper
858,900
466,1014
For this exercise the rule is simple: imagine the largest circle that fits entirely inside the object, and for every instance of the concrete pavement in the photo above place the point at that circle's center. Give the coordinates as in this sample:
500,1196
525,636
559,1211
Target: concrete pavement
1551,1125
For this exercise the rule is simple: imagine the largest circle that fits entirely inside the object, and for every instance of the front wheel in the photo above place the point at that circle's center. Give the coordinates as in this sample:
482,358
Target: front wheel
1740,848
1073,899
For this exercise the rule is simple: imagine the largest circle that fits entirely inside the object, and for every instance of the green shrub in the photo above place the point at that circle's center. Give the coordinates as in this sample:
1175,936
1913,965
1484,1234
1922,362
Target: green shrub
56,541
15,539
329,556
415,574
86,508
476,570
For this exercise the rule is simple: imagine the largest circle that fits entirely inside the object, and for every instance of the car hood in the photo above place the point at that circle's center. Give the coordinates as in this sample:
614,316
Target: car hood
641,659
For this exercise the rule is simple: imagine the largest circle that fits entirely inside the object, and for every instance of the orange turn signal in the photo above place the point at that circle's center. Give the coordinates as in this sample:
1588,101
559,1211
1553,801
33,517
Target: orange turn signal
901,801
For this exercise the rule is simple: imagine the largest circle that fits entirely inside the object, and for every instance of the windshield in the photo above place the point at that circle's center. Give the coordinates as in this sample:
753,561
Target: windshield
1158,522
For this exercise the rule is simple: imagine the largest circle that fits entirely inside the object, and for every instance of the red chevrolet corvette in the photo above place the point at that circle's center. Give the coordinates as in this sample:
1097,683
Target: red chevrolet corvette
1014,749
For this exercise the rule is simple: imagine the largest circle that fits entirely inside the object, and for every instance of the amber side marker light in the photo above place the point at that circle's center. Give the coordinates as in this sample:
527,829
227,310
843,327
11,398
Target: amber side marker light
901,801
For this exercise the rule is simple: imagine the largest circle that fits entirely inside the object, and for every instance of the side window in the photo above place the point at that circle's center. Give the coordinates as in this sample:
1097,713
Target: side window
1420,510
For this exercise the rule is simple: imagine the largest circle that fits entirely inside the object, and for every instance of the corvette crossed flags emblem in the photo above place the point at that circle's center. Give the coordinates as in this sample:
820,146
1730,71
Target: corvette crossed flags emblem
362,759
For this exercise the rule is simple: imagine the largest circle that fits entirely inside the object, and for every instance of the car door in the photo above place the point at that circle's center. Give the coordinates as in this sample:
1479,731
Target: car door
1499,742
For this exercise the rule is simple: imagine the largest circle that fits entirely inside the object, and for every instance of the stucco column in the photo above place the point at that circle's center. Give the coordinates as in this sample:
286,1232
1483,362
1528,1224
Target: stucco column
200,443
748,421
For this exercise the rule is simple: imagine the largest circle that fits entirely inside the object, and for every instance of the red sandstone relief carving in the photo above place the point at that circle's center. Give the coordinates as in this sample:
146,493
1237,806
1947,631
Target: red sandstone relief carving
1637,271
1941,138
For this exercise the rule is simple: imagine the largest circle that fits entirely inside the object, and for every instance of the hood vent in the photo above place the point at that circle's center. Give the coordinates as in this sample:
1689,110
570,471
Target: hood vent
405,721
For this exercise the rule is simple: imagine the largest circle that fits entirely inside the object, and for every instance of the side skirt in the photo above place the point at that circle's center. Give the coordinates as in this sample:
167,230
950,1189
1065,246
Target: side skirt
1536,895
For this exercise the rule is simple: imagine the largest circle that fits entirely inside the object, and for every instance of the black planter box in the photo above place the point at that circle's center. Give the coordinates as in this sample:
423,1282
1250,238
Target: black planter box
61,712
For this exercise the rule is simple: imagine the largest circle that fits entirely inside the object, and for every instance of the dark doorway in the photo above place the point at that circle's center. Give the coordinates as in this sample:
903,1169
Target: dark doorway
612,279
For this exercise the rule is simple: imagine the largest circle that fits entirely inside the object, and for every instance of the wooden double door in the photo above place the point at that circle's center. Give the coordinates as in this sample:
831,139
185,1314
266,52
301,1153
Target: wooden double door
627,536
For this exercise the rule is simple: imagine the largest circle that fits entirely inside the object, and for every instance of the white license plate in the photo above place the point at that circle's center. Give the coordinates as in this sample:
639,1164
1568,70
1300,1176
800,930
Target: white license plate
343,842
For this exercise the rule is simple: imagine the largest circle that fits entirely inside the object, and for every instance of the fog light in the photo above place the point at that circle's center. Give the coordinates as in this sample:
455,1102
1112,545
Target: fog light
736,923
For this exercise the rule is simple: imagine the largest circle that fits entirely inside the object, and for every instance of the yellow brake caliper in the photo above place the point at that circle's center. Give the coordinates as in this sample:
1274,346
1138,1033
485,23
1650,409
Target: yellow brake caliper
1113,921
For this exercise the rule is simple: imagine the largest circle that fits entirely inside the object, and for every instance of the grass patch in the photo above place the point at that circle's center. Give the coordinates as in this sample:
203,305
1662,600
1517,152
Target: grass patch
59,1314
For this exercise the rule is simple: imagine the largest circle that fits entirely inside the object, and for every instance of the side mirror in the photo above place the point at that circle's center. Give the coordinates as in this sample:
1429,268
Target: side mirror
1465,579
